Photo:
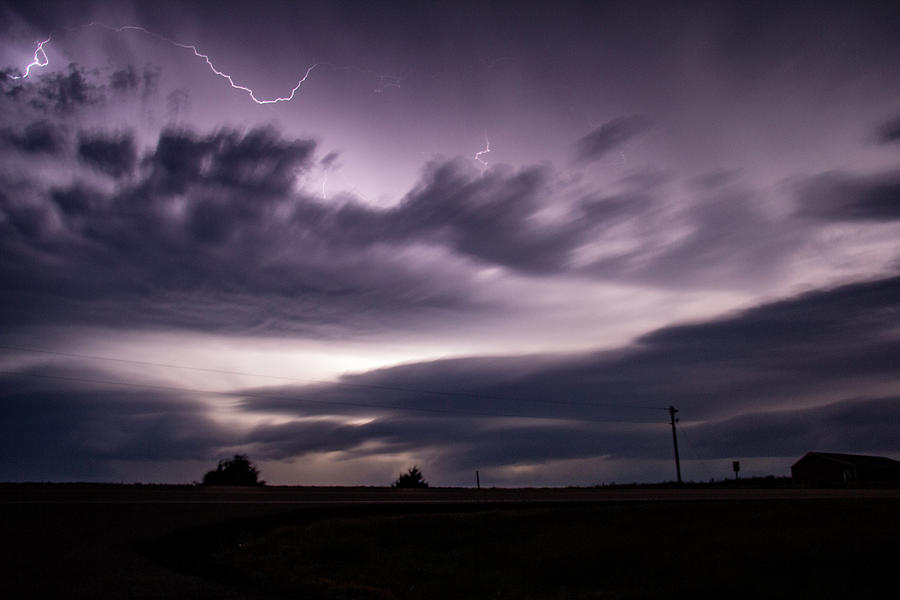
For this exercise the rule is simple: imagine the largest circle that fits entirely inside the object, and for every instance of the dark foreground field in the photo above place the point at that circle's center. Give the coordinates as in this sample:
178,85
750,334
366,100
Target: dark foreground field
167,542
815,549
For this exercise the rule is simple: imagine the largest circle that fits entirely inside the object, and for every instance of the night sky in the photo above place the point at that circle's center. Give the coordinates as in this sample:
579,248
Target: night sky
501,236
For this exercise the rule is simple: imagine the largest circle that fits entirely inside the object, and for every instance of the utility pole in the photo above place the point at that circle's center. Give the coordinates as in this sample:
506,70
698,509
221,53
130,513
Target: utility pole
672,411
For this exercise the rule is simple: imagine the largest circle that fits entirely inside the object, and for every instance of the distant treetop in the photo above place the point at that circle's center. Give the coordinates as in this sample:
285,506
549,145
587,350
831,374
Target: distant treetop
236,471
411,479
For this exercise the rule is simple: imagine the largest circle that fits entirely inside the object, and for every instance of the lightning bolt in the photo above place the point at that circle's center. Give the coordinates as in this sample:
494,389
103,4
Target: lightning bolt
41,60
487,149
212,67
384,81
38,53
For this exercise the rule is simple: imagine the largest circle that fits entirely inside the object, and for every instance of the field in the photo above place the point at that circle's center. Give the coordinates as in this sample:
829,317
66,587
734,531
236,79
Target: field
167,542
818,549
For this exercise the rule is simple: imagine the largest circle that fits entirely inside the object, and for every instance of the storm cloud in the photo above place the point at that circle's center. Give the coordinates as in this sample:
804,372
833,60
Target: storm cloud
210,220
845,197
114,155
737,382
227,200
889,131
669,215
63,92
65,424
257,245
610,136
39,137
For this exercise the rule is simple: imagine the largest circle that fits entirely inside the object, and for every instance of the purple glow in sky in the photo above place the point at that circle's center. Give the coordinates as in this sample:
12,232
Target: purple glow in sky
275,229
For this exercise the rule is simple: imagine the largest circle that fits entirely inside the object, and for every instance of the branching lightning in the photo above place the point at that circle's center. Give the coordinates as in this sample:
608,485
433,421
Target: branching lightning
41,60
384,81
212,67
38,53
487,149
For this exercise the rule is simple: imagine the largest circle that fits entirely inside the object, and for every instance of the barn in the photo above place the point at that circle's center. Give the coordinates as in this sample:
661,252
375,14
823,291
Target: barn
831,468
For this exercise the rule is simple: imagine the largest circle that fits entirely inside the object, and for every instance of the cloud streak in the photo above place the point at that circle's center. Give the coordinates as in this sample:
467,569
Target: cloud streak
847,197
610,136
888,132
210,232
738,382
58,425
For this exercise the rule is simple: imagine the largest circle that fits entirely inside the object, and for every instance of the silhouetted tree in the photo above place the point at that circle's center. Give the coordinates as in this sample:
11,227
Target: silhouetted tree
411,479
236,471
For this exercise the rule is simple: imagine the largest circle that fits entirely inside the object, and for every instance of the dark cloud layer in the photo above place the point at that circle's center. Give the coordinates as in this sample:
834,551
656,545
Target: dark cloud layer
209,232
491,219
889,131
39,137
845,197
115,155
216,220
610,136
737,382
859,425
65,92
251,166
129,79
57,424
211,235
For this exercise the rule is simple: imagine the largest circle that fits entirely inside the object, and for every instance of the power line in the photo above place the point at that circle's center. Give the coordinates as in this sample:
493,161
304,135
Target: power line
172,388
340,383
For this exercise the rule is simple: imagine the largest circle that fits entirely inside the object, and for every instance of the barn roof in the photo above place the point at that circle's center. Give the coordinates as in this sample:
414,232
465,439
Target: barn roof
857,460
